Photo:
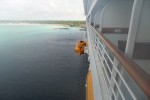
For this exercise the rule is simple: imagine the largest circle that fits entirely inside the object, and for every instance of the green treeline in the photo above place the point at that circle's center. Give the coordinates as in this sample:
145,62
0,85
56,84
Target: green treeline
70,23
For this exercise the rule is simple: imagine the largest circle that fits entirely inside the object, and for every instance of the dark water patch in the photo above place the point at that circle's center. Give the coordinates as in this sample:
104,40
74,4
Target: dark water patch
41,66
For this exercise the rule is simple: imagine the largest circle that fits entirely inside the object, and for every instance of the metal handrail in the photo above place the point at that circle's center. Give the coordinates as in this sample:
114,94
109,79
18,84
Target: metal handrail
137,73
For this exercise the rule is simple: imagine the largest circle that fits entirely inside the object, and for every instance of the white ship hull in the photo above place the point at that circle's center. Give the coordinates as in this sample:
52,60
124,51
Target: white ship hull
118,35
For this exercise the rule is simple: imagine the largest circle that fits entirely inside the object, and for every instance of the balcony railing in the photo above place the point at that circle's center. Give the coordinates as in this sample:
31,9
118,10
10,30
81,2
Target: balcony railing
124,79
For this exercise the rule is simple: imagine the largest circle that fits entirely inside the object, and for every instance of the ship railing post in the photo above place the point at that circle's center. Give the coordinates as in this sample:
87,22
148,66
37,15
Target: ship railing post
104,67
112,92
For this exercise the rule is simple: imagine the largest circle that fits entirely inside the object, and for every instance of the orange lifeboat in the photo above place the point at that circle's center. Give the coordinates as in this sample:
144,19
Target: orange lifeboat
79,48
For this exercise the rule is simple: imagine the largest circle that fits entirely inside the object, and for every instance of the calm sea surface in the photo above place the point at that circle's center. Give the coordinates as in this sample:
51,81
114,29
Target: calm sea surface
37,62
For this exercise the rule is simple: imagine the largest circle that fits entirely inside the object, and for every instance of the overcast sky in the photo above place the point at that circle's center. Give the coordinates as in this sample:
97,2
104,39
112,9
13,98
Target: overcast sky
41,10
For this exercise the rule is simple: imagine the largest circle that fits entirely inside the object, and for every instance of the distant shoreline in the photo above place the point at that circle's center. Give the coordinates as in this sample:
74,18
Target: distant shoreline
23,24
62,26
80,24
26,24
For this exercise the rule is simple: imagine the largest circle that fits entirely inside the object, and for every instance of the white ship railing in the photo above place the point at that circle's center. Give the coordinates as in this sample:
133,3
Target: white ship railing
124,79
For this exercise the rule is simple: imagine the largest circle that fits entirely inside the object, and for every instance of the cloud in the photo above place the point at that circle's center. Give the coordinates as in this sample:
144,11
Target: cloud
41,9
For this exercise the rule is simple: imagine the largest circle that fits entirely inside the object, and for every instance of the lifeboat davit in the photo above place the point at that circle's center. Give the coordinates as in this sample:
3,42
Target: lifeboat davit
79,48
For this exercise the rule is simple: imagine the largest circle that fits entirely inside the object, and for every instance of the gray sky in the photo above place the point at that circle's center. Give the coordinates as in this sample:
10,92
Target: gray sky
41,10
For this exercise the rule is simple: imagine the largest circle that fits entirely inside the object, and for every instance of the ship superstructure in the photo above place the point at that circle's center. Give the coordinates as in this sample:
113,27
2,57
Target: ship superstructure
118,36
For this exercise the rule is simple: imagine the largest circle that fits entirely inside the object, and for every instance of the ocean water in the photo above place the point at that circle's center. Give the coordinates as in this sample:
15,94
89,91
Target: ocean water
37,62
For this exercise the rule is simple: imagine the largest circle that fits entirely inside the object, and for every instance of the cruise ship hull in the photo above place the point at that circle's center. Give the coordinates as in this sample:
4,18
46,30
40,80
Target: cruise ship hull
118,39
